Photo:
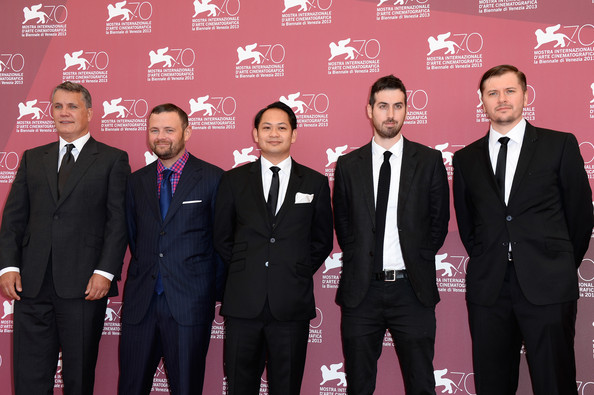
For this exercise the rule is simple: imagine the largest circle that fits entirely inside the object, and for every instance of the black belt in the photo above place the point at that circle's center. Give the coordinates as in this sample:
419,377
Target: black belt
390,275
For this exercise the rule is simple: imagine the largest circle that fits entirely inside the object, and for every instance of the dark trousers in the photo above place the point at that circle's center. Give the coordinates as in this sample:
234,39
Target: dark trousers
46,324
393,306
250,344
159,335
498,332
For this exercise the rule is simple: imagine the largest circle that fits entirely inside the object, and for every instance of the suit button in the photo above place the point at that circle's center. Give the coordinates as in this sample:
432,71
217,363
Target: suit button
370,253
56,216
160,255
162,233
272,240
266,264
509,218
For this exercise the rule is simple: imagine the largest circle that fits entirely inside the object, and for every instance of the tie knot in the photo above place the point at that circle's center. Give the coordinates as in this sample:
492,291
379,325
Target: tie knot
275,169
503,140
166,173
387,155
69,148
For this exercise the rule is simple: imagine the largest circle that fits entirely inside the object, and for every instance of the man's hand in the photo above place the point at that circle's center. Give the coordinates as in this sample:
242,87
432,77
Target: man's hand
10,284
97,288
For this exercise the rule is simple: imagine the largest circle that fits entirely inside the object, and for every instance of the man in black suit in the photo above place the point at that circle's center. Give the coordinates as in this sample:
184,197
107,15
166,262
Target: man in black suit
273,229
524,209
391,212
62,244
174,273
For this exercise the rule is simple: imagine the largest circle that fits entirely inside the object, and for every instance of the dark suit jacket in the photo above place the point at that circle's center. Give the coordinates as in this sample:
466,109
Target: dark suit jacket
548,219
84,230
266,262
181,246
423,215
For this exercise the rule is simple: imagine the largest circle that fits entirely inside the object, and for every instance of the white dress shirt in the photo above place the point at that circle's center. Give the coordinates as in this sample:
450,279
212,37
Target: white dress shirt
514,145
393,259
283,178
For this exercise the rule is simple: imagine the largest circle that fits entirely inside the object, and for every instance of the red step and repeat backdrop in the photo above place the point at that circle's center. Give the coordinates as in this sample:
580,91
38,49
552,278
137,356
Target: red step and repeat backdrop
222,60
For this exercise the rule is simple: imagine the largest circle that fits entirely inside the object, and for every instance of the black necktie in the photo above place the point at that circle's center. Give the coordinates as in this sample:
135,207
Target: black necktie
164,201
381,206
500,167
65,168
273,193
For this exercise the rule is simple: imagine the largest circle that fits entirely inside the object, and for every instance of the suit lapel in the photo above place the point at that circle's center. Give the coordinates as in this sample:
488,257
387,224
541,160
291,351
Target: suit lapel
51,169
191,175
526,154
487,166
149,185
295,180
255,184
407,172
365,169
85,159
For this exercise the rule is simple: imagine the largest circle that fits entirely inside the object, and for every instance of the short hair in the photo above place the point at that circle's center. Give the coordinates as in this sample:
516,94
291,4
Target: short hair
281,106
74,87
500,70
170,107
387,82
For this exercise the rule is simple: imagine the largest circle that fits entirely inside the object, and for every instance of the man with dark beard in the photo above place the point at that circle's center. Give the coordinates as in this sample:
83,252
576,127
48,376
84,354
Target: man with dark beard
174,273
391,212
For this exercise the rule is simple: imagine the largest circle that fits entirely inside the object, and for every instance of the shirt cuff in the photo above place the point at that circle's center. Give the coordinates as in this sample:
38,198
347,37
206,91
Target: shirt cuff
9,269
108,276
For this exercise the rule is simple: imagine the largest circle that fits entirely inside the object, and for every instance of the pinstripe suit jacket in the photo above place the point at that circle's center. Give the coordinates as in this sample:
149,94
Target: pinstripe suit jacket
181,245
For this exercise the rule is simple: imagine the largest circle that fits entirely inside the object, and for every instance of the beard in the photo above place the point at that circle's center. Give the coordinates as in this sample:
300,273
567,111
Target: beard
167,152
385,131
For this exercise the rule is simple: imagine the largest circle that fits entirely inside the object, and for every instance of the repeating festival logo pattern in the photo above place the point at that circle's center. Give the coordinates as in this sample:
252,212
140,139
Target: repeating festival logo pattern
86,67
306,12
491,6
6,319
390,10
124,115
215,15
454,50
35,117
587,150
212,112
564,43
11,68
171,64
257,60
332,269
44,20
129,17
354,56
333,379
311,109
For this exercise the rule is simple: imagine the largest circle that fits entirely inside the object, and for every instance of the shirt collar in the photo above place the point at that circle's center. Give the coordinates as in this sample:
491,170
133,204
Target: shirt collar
177,167
285,165
396,149
516,134
79,143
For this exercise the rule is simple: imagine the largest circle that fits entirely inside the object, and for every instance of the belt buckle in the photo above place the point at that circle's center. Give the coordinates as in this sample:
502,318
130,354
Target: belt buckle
390,275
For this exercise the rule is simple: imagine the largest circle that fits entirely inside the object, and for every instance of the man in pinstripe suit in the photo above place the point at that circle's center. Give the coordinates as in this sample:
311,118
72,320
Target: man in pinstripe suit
174,273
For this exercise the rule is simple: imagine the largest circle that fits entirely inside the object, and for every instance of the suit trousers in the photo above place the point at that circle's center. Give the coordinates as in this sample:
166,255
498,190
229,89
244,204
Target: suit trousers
547,332
393,306
184,348
252,344
46,324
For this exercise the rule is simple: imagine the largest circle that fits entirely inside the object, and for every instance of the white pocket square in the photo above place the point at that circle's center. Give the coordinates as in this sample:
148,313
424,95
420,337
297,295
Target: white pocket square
192,201
303,197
